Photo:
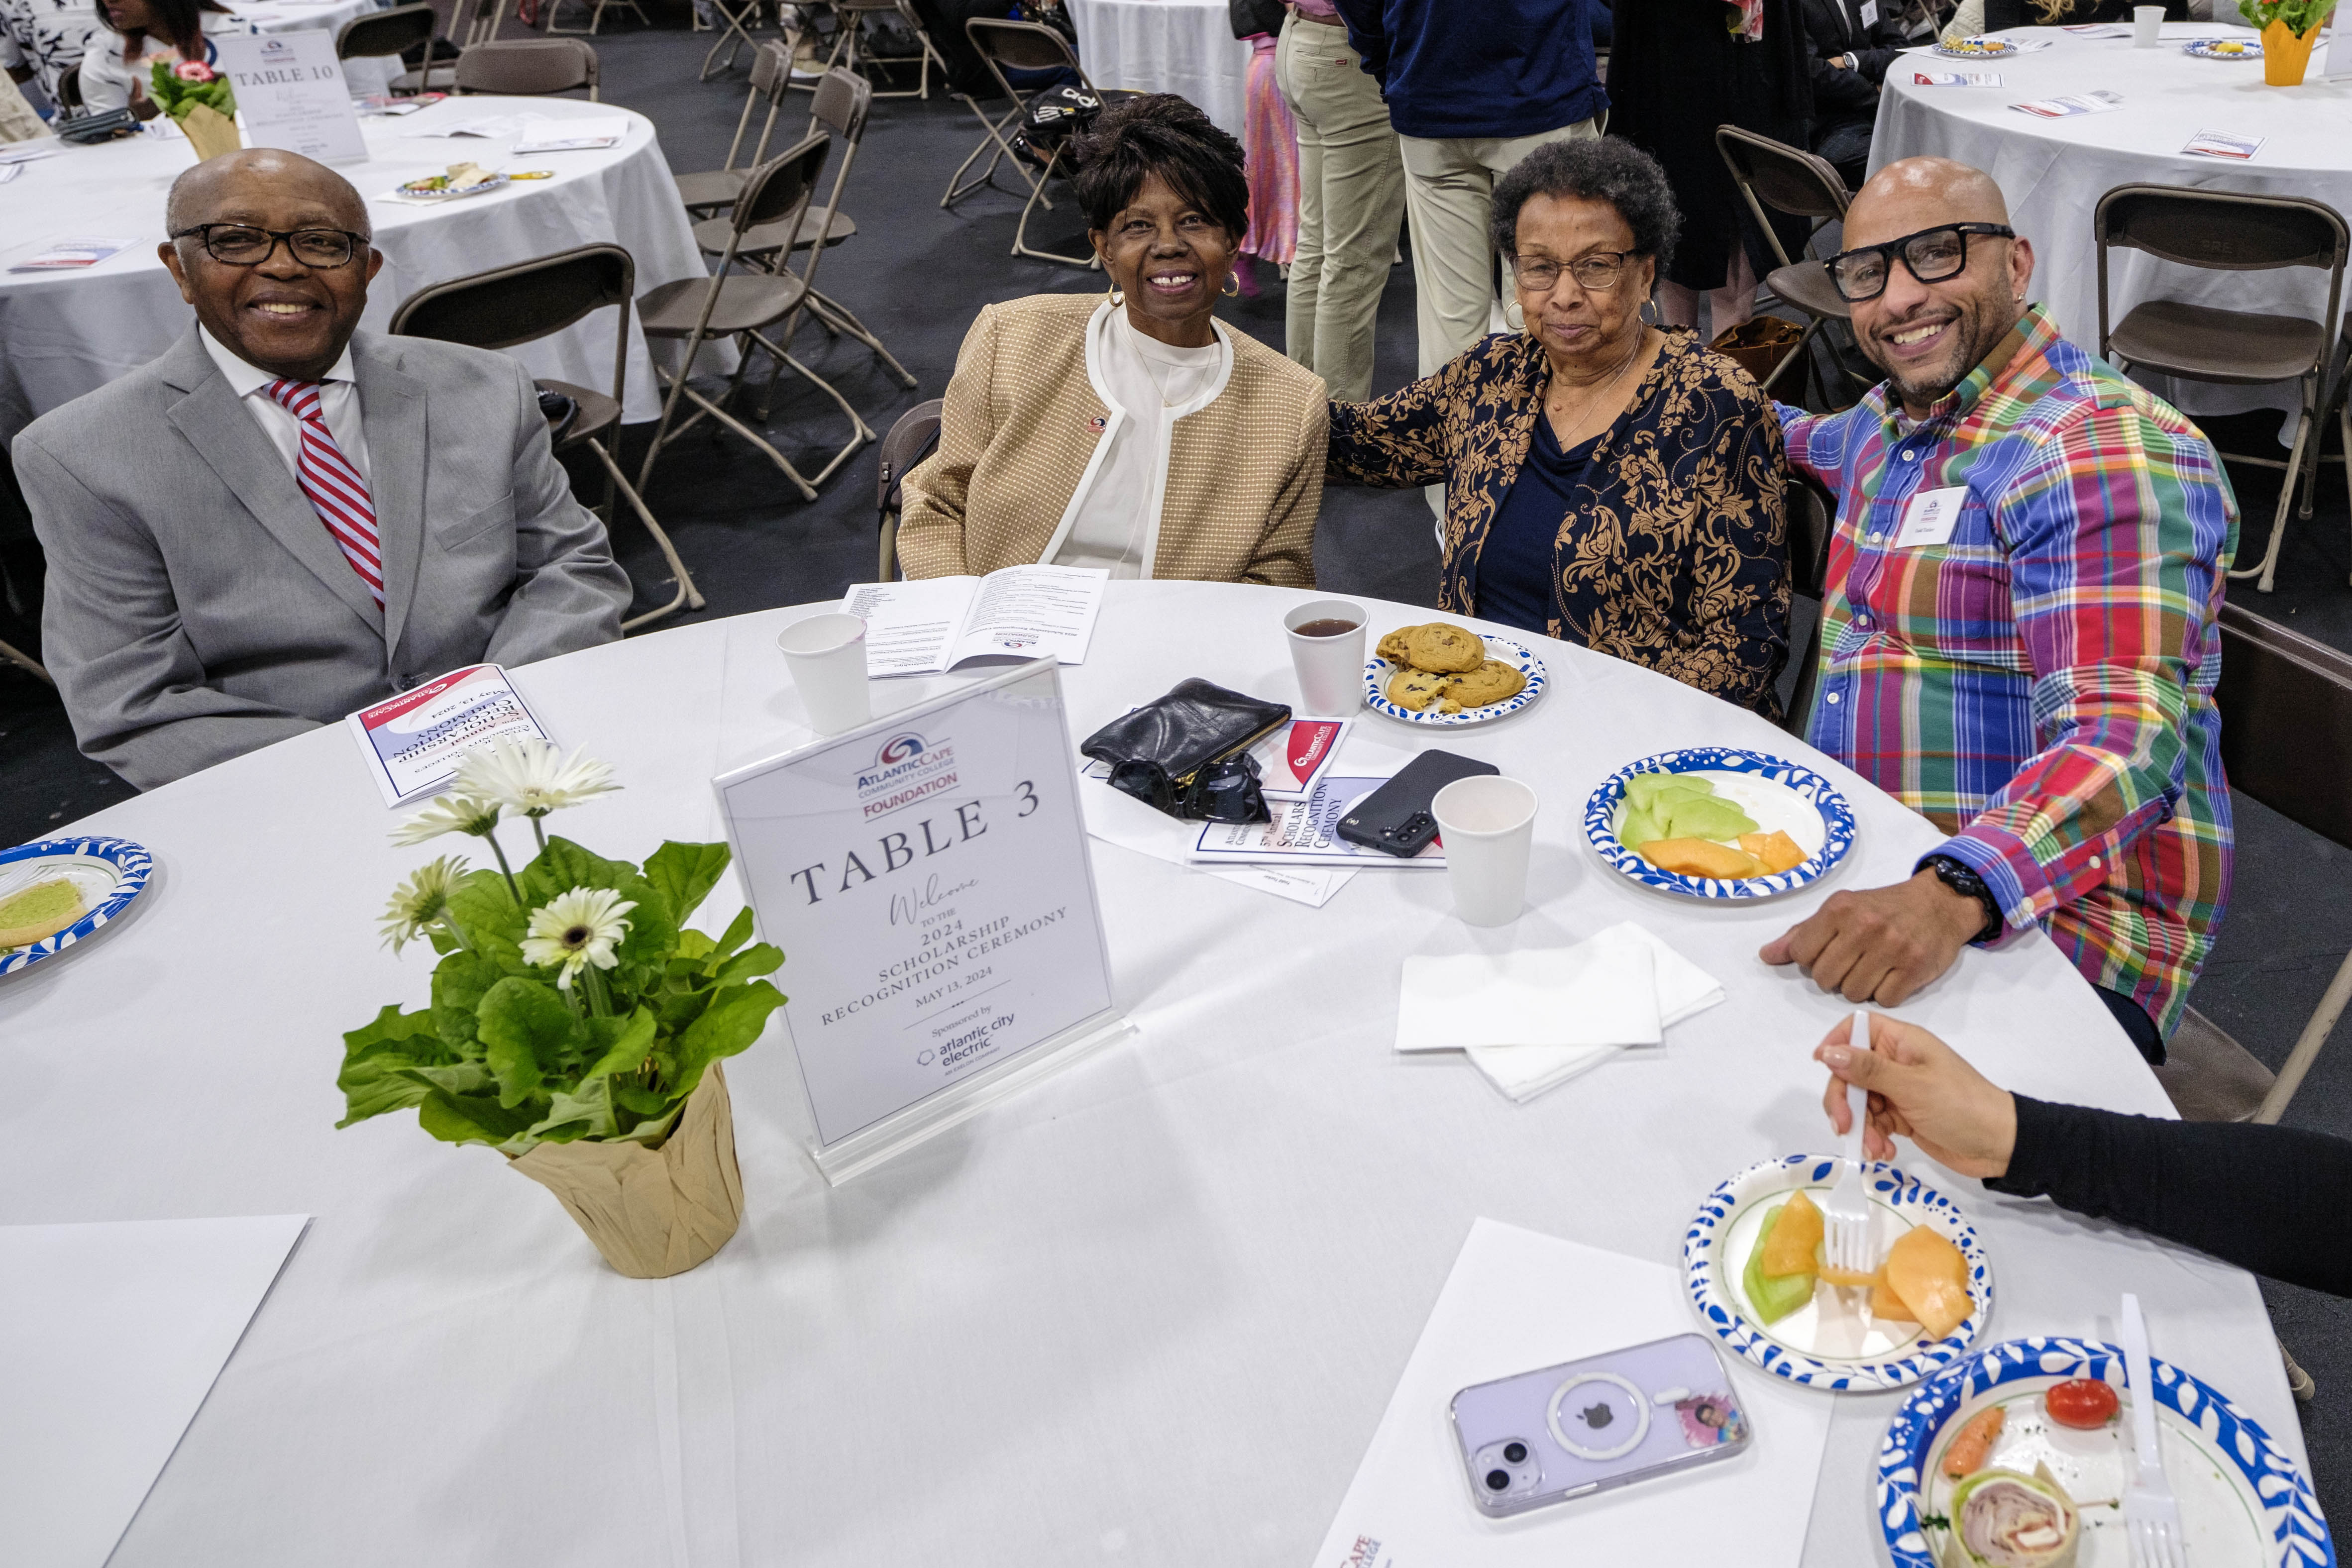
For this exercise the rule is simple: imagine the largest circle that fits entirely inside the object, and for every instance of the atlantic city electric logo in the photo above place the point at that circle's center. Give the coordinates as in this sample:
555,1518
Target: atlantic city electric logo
906,770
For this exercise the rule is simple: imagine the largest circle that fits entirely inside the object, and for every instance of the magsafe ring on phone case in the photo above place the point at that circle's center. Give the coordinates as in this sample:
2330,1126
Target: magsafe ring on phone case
1600,1417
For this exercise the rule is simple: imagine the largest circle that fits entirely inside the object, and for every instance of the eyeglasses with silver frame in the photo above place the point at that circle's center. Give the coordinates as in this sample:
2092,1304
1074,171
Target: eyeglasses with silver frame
1932,255
243,245
1597,270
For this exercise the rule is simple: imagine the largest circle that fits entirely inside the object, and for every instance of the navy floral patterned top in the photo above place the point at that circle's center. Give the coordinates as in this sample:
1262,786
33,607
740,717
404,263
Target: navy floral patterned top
1675,554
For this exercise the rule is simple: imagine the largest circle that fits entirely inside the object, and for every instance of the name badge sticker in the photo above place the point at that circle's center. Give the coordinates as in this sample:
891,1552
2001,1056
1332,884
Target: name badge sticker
1929,517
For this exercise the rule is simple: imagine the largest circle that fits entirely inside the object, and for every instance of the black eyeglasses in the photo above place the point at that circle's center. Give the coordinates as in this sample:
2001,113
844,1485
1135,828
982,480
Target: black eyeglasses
1599,271
242,244
1932,255
1225,792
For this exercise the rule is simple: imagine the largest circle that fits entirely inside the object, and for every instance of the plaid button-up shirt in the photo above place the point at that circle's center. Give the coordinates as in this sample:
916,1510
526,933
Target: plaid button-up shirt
2040,683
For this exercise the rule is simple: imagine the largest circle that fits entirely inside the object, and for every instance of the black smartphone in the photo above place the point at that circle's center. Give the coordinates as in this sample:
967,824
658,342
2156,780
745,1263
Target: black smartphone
1395,817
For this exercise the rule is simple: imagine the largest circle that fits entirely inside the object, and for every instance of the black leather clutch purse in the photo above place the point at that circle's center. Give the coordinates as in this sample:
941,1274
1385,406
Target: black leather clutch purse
1187,753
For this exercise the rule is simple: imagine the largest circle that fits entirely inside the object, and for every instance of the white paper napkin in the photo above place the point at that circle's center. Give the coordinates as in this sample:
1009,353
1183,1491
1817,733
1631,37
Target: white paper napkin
1591,993
1682,989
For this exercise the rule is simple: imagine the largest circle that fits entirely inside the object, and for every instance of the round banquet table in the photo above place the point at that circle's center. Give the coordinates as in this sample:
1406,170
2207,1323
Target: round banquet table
1150,1311
1184,47
70,333
2054,172
364,75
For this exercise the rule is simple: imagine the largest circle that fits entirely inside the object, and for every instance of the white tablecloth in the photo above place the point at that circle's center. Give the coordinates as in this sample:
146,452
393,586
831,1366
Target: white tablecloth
67,334
2054,172
366,75
1148,1312
1184,47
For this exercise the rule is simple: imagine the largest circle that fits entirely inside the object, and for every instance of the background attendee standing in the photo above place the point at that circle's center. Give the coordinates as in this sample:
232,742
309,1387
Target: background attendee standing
1679,68
1470,96
1351,200
1269,137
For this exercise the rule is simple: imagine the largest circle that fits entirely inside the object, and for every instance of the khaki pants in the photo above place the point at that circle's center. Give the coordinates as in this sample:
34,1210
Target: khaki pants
1450,193
1351,200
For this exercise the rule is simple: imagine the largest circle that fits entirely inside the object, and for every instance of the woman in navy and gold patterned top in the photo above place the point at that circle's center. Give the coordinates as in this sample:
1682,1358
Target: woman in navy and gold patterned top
1606,483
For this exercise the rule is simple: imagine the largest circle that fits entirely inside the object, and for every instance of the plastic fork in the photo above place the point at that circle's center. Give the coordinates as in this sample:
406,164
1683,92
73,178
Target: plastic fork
2151,1518
1845,1216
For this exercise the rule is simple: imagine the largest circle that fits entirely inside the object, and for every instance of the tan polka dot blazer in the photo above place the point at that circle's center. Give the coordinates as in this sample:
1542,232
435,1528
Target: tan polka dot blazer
1244,474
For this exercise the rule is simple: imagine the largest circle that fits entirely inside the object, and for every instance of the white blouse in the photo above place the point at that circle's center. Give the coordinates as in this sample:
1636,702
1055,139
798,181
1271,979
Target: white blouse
107,76
1113,517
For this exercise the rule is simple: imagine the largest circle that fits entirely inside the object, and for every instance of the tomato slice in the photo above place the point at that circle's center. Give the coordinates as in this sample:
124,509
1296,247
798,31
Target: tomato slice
2083,1402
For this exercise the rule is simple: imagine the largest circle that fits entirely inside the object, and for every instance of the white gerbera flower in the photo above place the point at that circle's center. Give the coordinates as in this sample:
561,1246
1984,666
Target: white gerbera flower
421,901
576,929
532,777
449,814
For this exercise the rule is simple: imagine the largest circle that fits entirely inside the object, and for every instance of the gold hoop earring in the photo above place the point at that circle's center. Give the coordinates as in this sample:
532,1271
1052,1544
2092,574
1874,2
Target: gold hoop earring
1232,286
1118,297
1656,318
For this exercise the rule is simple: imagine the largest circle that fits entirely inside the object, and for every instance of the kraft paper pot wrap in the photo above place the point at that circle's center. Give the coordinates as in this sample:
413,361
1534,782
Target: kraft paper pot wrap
210,132
653,1212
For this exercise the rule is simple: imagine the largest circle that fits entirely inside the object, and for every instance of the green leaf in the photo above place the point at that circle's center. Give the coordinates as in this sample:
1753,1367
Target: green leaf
753,961
484,911
684,875
455,1119
693,947
526,1030
375,1056
738,931
729,1025
620,1045
459,983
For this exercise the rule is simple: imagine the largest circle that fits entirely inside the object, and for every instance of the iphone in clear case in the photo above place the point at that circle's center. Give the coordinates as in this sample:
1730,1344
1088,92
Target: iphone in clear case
1569,1431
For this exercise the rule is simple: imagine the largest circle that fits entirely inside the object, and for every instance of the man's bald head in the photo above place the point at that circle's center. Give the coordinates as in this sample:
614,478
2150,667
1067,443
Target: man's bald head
239,178
1905,197
1929,333
282,313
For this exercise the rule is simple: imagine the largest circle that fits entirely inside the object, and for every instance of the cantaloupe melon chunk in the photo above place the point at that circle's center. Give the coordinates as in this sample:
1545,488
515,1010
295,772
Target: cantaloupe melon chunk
1885,1303
1790,1248
1850,1279
1932,1278
1776,849
1701,857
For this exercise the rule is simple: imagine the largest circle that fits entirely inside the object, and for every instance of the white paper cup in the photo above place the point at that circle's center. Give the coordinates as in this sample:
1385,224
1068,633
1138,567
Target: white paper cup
1488,826
2147,27
826,655
1330,669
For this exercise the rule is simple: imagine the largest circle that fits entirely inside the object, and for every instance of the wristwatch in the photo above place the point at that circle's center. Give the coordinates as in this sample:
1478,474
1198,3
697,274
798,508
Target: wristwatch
1955,875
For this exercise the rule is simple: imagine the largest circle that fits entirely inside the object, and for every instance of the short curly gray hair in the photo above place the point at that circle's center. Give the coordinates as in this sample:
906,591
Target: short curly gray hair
1603,169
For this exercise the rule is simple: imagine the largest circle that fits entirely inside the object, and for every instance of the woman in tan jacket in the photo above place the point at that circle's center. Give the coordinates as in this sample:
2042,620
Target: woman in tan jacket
1137,433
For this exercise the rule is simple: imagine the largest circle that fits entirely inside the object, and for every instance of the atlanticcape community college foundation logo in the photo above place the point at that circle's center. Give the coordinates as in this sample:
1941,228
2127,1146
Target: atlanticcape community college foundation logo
906,770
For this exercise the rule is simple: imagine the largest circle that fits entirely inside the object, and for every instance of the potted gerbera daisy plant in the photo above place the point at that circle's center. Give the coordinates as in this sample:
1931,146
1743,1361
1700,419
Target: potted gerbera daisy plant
575,1026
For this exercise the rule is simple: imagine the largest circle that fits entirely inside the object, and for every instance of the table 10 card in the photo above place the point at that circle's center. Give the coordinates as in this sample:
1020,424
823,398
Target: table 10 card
927,876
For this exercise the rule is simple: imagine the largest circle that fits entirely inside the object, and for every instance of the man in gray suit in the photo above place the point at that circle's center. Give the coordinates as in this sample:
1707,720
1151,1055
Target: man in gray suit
282,520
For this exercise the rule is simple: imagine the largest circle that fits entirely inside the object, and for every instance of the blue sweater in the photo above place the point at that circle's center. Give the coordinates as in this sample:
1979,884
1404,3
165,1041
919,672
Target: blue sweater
1480,67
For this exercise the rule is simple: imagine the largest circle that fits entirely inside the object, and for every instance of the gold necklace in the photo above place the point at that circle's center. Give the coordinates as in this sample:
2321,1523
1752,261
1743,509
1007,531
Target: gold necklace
1640,341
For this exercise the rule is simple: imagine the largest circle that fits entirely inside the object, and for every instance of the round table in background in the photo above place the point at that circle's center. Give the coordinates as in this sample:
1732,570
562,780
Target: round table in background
366,75
1184,47
70,333
1148,1311
2054,172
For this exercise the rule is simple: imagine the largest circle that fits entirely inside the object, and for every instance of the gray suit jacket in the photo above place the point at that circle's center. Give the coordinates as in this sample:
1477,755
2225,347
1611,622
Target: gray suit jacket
197,608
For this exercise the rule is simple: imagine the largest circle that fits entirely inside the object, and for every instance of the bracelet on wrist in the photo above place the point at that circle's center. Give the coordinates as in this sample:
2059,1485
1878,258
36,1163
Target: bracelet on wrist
1957,875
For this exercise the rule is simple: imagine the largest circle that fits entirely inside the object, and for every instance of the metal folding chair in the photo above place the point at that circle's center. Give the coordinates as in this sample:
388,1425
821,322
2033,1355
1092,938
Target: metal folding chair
518,304
734,34
747,306
850,52
911,439
1023,46
1812,518
1790,180
379,33
528,67
2224,232
844,99
708,191
596,9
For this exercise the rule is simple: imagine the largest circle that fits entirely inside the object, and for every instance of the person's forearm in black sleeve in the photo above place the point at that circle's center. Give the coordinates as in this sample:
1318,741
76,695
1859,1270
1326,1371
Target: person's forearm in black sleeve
2275,1200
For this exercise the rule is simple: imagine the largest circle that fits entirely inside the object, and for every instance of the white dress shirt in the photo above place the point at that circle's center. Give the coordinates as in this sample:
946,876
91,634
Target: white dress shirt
1113,519
339,401
108,80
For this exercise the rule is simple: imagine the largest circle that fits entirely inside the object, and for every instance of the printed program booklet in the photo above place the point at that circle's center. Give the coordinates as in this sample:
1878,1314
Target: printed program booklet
1304,832
929,627
68,254
411,742
2072,105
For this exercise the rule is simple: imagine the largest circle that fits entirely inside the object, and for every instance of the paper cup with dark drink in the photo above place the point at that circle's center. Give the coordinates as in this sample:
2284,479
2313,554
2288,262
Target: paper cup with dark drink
1326,649
1487,824
826,655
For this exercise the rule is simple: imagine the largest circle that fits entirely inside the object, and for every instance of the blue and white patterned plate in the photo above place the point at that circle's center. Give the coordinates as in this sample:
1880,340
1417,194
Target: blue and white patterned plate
1832,1342
1778,794
108,871
2244,1502
1378,670
2205,49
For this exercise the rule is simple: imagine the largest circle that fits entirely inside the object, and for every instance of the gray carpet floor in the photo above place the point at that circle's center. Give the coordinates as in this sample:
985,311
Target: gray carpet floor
917,274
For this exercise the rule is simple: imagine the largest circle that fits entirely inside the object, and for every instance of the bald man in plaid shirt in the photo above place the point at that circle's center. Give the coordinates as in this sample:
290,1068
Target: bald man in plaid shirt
2018,632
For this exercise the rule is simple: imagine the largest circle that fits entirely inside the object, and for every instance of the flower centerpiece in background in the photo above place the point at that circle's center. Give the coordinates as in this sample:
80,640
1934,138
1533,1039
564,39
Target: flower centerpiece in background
2290,27
200,101
576,1026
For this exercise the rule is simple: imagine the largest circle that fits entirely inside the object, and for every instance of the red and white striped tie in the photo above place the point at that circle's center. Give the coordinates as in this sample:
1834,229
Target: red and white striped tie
335,489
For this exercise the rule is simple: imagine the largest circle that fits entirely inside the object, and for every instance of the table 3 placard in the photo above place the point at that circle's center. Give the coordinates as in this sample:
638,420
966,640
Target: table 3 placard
927,877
